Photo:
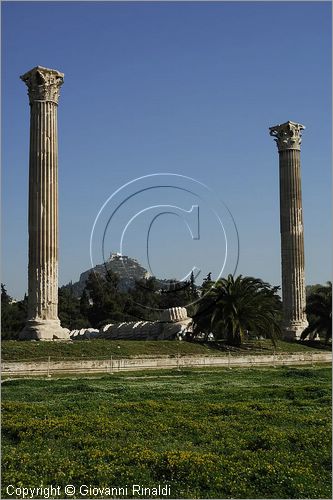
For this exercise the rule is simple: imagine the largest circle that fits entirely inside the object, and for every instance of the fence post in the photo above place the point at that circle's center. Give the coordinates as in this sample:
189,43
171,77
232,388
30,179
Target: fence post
48,367
111,365
229,360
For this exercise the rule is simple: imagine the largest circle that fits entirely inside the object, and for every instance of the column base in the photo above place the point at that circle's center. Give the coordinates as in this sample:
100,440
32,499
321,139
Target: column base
294,330
44,329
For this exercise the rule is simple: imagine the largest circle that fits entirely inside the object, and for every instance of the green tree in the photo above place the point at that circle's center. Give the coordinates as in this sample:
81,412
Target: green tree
13,315
177,294
107,302
319,312
191,295
5,298
193,289
207,284
84,304
143,300
234,306
6,326
69,310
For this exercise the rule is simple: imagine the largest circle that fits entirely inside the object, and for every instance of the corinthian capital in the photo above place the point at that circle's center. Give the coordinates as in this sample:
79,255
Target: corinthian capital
288,135
43,84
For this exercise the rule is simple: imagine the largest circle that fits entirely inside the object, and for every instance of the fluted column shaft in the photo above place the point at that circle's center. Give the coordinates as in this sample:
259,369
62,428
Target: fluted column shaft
43,212
288,138
43,90
292,238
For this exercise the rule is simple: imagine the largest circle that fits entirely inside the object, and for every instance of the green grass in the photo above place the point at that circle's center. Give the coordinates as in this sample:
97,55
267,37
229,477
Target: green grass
102,349
240,433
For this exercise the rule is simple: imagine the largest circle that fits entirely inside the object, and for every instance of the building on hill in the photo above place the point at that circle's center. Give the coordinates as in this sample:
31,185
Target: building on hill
128,270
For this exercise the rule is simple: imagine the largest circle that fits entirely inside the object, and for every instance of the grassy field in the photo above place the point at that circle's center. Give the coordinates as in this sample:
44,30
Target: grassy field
12,350
247,433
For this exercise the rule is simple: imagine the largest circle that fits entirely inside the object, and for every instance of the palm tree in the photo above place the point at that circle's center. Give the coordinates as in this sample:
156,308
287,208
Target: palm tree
234,306
319,311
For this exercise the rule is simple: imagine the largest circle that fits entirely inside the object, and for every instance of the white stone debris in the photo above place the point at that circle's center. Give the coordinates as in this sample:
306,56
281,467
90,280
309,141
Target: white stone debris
174,324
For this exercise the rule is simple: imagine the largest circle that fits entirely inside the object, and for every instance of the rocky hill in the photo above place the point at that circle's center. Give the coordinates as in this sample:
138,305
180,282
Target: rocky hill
128,270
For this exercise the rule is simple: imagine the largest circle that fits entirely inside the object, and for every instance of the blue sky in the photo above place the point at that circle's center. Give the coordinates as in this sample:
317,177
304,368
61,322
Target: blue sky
189,88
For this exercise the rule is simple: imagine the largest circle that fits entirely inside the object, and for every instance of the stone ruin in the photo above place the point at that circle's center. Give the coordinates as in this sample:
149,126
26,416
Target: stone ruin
174,324
42,321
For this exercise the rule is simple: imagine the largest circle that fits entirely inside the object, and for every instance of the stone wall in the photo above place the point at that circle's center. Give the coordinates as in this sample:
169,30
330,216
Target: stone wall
127,364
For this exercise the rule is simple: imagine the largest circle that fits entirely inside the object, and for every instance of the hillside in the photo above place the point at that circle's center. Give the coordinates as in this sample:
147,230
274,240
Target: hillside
129,270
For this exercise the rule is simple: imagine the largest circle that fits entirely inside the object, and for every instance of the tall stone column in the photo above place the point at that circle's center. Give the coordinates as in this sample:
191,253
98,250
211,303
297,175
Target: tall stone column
288,139
43,90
